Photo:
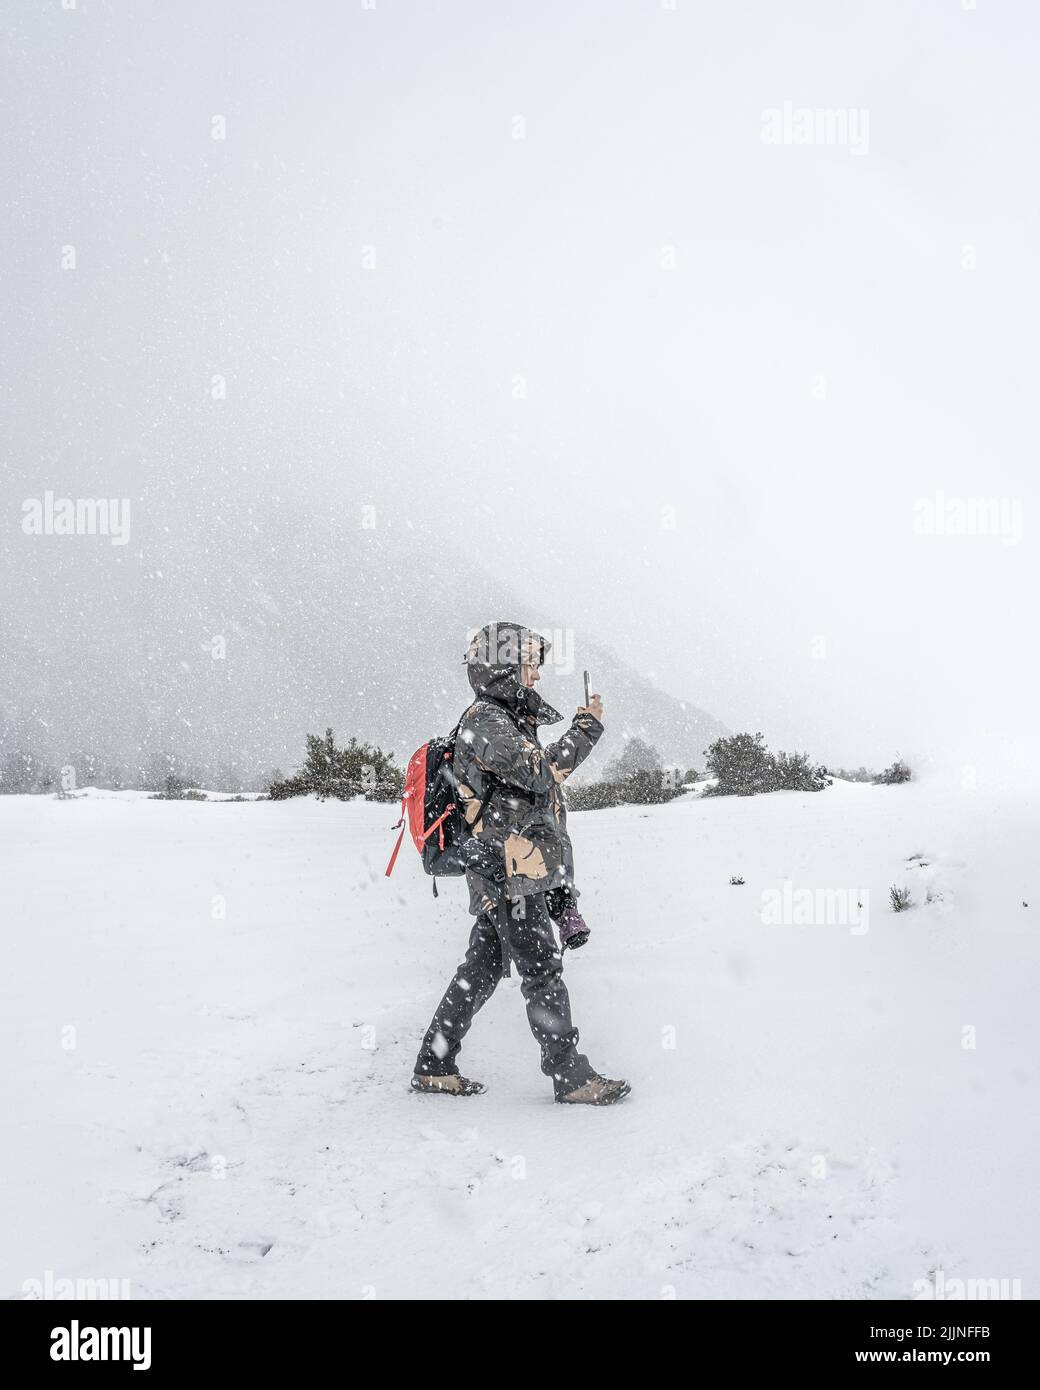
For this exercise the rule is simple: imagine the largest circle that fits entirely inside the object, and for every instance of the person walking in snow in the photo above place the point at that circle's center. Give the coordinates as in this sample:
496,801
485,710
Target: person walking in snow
511,795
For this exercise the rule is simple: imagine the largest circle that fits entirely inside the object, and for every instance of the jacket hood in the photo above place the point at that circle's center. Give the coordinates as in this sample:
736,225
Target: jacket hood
493,666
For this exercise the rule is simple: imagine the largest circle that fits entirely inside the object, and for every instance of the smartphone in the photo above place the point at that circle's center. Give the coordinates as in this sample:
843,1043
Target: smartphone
587,696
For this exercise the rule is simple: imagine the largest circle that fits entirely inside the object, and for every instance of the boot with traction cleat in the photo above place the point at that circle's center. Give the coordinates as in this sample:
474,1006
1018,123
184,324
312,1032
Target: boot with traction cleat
453,1085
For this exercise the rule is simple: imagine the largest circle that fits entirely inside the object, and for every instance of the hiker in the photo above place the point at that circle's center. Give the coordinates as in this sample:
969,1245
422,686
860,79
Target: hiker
510,793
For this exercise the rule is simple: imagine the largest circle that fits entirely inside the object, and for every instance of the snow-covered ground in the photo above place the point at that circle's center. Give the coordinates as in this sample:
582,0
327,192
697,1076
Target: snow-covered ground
211,1013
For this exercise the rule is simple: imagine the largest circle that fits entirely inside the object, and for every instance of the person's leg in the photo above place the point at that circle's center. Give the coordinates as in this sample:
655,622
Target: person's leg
533,947
472,986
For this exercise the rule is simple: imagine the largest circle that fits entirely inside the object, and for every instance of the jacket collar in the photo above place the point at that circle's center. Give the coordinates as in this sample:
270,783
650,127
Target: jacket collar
502,684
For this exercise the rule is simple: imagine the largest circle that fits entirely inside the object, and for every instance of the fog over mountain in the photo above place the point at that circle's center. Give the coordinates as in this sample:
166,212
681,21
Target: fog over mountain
228,642
677,387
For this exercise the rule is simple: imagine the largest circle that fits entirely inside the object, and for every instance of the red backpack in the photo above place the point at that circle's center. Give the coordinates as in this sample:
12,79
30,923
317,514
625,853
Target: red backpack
429,808
430,812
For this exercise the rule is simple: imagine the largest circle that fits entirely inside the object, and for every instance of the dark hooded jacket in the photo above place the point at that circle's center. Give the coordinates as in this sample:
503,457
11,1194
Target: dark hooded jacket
510,788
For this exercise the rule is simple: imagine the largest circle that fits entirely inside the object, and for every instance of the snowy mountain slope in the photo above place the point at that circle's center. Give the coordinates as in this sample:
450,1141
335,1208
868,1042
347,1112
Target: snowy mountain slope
230,641
231,1117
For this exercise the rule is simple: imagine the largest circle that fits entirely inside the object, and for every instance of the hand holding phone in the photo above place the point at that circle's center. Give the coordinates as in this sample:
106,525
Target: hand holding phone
593,704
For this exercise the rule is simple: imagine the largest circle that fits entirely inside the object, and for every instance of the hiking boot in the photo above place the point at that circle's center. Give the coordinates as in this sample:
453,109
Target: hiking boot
453,1085
596,1091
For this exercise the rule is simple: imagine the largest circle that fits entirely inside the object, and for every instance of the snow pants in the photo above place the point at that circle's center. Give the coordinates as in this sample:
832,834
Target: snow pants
525,925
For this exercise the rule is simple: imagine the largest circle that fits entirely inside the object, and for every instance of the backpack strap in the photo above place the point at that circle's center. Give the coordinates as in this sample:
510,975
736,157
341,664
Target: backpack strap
393,857
397,846
438,823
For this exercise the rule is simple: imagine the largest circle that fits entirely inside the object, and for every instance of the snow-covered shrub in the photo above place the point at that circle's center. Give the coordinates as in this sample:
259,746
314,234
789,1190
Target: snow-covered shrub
593,796
174,789
637,789
360,769
743,765
796,773
898,772
900,898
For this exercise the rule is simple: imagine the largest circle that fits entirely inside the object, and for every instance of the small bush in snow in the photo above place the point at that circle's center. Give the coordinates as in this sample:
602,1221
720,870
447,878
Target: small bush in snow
899,898
644,788
360,769
175,790
795,773
736,880
593,796
743,765
898,772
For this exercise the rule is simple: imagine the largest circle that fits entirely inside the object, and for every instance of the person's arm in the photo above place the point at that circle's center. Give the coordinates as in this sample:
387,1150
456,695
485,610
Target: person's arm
502,750
577,743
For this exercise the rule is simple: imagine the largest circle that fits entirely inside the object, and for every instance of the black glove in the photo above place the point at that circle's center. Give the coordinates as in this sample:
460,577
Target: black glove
558,900
562,907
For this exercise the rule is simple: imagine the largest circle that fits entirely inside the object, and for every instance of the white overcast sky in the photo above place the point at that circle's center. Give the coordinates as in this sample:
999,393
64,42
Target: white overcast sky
818,359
